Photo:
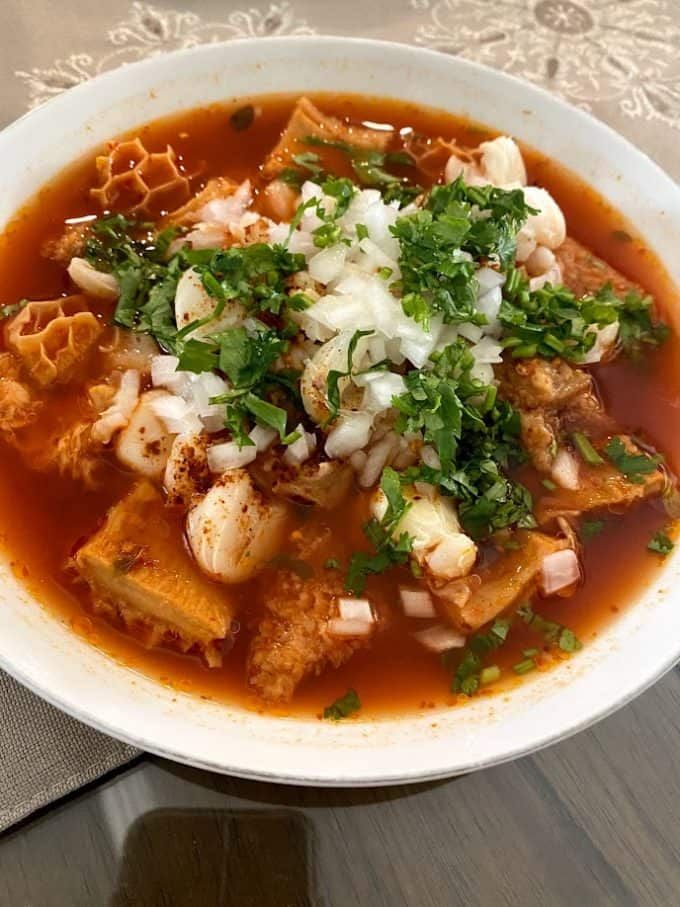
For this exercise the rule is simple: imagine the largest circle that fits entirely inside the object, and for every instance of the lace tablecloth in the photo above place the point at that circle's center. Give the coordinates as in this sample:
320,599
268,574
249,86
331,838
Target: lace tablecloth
616,58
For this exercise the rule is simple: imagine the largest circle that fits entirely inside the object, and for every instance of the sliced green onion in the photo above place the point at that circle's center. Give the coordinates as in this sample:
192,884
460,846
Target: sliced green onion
524,351
529,653
489,675
568,641
523,667
586,449
550,485
470,685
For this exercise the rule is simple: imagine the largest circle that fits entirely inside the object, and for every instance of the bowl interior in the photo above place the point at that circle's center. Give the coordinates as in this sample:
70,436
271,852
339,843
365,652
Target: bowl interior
628,656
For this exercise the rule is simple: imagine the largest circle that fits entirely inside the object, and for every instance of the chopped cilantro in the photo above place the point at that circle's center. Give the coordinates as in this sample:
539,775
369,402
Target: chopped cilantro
636,327
553,321
591,528
369,166
476,436
634,466
334,377
437,242
389,549
196,356
270,415
466,678
328,234
292,177
469,674
342,190
254,276
343,707
308,161
6,311
661,544
297,566
245,357
555,634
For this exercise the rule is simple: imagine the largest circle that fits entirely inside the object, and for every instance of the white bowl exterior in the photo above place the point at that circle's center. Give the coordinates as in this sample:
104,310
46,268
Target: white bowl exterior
645,641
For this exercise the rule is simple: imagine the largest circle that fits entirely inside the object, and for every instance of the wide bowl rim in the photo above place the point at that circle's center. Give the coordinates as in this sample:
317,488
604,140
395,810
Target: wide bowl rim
122,731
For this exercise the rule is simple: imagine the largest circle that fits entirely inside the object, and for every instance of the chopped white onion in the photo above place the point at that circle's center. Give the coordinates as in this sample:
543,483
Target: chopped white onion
374,258
213,423
328,264
356,609
565,470
229,455
337,626
417,603
489,279
263,437
482,372
351,432
381,387
164,374
377,457
487,350
300,450
176,414
559,570
489,304
606,338
471,332
440,638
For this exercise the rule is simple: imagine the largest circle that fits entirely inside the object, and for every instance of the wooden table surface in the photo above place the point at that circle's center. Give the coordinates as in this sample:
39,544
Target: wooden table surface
592,821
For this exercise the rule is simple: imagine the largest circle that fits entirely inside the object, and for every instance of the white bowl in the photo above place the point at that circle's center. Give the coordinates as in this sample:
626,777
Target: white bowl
643,643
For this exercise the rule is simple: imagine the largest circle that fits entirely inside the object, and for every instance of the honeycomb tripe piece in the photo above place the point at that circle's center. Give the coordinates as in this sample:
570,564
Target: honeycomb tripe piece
53,338
136,181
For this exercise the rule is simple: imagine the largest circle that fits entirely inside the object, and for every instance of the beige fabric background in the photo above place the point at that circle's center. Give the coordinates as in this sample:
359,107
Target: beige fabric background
619,59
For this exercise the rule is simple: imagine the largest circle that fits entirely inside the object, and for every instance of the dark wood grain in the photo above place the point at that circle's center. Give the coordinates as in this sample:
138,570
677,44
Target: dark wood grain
592,821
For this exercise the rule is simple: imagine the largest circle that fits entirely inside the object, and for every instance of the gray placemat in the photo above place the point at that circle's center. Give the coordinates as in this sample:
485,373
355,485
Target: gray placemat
616,59
45,754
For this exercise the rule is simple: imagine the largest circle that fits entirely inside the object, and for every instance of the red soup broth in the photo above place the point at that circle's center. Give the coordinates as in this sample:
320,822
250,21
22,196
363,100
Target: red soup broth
42,520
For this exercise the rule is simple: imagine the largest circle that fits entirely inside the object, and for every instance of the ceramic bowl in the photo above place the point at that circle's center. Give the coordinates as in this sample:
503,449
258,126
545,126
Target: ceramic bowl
627,657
